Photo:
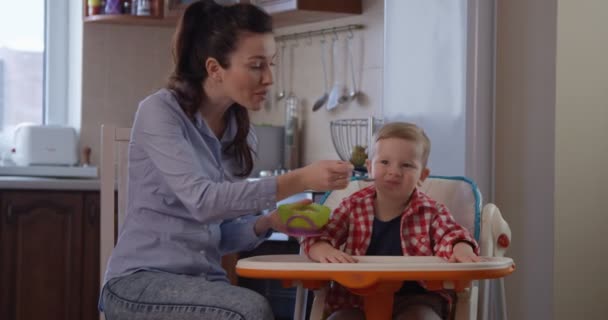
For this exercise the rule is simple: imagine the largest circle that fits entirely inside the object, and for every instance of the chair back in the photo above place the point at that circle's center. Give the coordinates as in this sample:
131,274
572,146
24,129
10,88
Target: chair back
113,188
459,194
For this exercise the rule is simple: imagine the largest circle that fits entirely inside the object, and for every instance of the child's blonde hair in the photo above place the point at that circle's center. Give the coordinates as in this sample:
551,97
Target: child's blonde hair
403,130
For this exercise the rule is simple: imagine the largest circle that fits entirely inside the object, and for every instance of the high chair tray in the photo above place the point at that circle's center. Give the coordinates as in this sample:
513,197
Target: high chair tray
372,269
375,278
295,262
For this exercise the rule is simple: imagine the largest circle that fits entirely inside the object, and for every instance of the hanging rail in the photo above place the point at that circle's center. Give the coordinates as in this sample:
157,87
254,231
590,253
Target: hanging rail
312,33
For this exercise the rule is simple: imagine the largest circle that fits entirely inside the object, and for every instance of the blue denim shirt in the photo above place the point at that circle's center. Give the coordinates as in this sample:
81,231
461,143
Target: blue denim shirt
185,208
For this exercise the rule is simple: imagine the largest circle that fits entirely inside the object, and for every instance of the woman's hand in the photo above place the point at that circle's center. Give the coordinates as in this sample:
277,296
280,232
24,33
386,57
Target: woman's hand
273,221
327,175
324,252
319,176
463,252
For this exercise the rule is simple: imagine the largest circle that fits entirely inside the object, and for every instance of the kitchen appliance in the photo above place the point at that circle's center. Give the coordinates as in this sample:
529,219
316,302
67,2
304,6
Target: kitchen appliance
45,145
269,155
45,151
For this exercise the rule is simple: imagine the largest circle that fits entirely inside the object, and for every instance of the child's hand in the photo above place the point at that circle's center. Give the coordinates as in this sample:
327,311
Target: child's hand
324,252
463,252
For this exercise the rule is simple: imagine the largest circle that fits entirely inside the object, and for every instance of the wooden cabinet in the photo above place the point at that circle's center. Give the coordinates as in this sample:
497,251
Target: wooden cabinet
284,12
49,255
90,265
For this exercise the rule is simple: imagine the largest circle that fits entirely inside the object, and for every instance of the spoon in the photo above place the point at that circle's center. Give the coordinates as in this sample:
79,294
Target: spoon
323,99
344,97
353,92
281,65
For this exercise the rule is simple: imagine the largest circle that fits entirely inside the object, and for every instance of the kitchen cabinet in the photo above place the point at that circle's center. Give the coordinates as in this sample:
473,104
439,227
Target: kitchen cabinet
49,254
90,266
284,12
294,12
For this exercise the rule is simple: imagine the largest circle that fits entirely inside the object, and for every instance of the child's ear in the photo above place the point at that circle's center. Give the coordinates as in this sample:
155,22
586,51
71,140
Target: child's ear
368,166
423,175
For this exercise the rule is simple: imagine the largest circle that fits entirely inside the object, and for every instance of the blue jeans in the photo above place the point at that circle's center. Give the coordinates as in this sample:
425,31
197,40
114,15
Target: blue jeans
156,295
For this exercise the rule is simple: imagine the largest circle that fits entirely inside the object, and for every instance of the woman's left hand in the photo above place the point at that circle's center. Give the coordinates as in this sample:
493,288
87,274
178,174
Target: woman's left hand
463,252
273,221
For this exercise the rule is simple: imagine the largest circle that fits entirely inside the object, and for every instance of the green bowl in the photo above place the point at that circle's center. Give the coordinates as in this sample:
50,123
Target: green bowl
304,219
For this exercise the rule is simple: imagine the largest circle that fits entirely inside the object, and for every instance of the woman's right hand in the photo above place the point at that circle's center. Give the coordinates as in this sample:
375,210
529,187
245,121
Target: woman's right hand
326,175
319,176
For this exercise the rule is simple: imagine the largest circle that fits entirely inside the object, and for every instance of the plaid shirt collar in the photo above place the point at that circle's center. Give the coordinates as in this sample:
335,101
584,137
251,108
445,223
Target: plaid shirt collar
417,201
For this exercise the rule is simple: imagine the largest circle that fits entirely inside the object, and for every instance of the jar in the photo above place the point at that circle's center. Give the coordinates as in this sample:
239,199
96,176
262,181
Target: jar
134,7
93,7
143,8
113,7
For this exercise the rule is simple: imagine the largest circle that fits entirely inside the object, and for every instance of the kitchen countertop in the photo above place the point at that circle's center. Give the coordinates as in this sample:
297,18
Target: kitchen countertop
35,183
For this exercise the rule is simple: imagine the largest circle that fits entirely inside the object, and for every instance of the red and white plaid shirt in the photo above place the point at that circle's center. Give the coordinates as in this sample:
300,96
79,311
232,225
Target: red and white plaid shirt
427,228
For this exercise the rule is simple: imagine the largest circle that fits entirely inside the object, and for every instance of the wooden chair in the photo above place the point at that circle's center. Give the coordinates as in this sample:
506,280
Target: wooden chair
113,190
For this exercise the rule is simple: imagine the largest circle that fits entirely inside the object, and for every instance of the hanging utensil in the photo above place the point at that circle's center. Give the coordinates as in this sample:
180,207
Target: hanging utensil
281,66
338,93
352,94
323,99
292,119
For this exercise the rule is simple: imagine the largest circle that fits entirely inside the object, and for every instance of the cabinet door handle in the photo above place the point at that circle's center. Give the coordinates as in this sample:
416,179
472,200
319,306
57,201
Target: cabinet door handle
10,216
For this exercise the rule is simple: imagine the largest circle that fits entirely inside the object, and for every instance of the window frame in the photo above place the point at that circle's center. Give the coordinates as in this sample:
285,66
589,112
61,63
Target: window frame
56,67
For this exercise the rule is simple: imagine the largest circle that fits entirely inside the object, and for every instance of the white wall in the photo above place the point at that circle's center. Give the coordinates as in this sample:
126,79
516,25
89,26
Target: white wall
581,153
426,49
525,150
440,55
551,121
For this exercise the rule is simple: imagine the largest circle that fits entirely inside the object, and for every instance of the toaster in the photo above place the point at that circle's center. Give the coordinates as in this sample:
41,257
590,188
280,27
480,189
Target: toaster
45,145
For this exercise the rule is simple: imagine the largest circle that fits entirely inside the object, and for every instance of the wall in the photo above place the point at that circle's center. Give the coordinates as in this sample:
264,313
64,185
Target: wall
551,151
581,155
123,64
305,76
525,150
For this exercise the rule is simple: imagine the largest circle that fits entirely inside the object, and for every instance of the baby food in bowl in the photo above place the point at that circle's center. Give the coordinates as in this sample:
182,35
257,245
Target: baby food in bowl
304,219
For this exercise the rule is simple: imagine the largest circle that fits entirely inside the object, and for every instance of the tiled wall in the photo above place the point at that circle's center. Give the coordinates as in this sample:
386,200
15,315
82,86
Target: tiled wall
305,76
123,64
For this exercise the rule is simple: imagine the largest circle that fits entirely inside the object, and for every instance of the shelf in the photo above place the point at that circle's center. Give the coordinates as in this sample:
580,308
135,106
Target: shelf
284,13
125,19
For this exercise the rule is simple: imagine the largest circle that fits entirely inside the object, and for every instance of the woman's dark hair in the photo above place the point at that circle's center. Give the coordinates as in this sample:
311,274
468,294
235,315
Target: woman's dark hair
209,30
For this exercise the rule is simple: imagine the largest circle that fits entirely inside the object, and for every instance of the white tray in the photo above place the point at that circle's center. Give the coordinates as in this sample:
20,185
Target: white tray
294,262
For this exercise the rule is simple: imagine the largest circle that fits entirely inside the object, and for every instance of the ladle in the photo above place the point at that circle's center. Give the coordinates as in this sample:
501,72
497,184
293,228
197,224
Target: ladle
323,98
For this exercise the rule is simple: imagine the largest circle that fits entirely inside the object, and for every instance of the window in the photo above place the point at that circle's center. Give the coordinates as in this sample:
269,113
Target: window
21,62
33,60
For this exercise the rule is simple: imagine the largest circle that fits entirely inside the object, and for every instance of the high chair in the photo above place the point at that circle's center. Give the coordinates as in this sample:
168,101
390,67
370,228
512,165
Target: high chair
463,198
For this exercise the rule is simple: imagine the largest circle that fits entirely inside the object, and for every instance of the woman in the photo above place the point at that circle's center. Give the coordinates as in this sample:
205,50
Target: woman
191,148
